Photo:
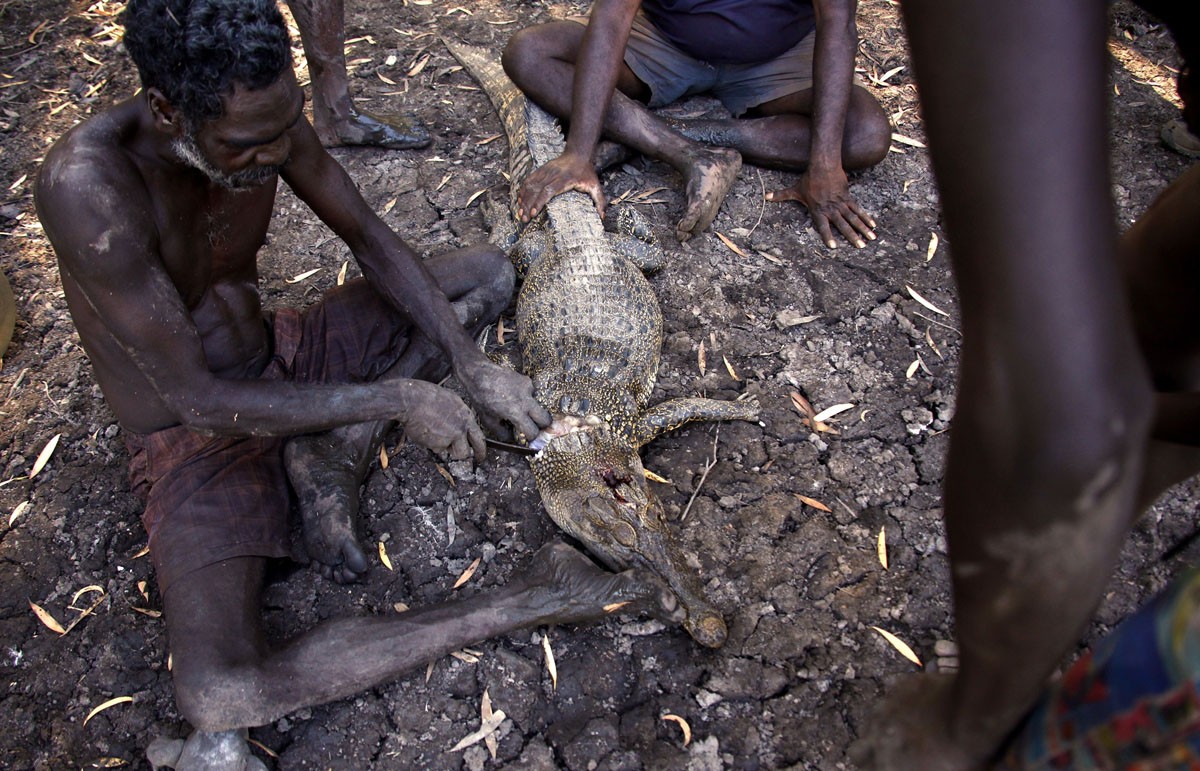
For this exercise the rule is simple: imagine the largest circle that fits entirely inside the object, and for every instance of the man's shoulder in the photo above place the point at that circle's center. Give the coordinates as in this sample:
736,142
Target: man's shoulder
90,160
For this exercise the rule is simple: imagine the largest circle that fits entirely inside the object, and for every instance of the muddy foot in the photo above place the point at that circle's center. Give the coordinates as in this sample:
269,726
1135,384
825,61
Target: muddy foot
910,730
204,751
390,132
568,588
708,179
326,475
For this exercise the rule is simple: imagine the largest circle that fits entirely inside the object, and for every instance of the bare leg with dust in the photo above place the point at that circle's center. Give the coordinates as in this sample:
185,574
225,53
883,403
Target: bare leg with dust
227,677
541,61
1055,407
327,469
337,121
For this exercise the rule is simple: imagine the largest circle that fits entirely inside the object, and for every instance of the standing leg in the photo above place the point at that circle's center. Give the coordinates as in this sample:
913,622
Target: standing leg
322,32
227,677
1054,406
327,469
541,61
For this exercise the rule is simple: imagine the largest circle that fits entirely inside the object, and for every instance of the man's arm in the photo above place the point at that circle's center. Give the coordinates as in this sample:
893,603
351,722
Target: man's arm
107,245
596,68
396,272
823,188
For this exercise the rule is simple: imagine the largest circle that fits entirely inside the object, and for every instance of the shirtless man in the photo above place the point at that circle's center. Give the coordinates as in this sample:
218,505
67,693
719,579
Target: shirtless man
337,121
787,65
1078,397
156,209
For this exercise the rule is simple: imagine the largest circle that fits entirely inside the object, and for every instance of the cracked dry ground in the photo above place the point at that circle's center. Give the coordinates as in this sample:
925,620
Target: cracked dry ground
801,586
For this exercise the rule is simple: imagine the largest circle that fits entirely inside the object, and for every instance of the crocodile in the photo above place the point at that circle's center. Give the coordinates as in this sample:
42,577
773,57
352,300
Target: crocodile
590,332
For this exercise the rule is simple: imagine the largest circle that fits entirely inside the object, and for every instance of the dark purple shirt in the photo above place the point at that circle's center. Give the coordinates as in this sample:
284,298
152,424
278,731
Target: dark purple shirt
732,31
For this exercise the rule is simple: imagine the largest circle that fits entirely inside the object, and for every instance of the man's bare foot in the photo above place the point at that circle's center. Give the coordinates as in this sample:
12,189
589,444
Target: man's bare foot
568,588
325,471
910,731
205,751
708,177
391,132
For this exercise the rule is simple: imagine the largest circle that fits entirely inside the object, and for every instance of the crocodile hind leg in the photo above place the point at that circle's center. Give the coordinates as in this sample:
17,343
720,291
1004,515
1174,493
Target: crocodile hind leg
670,415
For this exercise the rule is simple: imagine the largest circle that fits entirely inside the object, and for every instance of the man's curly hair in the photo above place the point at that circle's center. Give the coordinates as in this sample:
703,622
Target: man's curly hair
194,51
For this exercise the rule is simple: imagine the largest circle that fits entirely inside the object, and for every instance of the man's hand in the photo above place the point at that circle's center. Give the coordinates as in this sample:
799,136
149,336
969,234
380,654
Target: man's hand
438,420
503,395
826,195
566,172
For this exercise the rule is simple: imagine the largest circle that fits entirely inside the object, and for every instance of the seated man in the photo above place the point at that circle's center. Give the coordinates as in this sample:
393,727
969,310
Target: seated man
156,209
787,64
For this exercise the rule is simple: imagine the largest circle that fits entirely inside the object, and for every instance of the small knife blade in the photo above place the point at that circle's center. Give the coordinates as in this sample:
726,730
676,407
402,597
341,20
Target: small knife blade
516,449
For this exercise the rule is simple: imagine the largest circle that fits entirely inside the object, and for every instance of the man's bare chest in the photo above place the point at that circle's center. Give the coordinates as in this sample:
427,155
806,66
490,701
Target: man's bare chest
206,243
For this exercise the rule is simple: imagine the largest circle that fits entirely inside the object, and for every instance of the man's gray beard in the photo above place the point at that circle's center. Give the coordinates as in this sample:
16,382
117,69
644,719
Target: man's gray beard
188,151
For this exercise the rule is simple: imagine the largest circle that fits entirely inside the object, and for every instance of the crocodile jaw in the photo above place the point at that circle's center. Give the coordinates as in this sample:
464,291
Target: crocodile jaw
593,487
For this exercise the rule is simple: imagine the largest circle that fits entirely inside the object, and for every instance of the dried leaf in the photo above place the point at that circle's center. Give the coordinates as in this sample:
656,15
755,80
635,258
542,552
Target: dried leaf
474,195
813,502
769,257
263,747
400,607
732,246
341,279
551,667
489,727
302,276
446,474
383,458
106,705
466,575
87,590
387,207
141,552
881,547
802,405
899,645
428,671
702,359
612,607
383,556
45,617
19,182
883,79
916,296
489,140
907,141
829,412
655,477
500,330
415,70
465,657
933,245
20,509
141,587
912,369
384,78
729,367
107,763
149,612
44,456
683,724
485,714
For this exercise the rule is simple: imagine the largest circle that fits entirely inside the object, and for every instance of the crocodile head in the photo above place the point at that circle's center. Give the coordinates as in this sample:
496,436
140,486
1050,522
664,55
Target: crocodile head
593,486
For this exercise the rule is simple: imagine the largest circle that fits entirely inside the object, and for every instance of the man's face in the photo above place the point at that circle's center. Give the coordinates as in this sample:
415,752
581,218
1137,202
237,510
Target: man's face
247,145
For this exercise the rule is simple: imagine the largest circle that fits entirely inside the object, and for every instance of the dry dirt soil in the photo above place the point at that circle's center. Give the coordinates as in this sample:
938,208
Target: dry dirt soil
801,584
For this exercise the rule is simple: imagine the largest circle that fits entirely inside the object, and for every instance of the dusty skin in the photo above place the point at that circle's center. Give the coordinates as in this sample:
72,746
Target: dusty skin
800,587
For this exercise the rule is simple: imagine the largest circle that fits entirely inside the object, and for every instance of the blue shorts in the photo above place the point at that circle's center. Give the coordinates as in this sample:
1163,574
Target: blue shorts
672,74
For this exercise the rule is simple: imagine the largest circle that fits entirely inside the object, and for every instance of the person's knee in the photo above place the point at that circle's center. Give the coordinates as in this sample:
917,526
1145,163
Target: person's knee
868,132
497,277
524,50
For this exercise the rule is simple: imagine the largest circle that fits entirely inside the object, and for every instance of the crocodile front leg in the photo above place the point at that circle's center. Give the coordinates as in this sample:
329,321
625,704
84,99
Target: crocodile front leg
672,414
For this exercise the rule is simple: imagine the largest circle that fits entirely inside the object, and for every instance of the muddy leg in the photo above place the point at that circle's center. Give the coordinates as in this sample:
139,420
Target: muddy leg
541,61
226,677
337,122
327,469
